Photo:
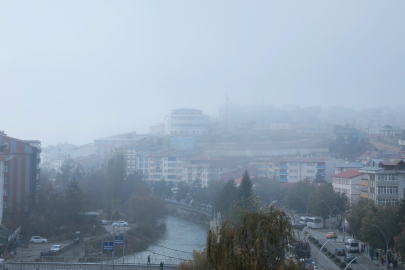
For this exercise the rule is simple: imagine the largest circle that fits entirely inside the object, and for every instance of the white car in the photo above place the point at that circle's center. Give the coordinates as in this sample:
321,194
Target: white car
38,239
120,224
55,248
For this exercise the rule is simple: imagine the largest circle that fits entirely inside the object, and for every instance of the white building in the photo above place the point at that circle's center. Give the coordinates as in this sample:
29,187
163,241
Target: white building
348,182
203,168
186,122
296,169
385,184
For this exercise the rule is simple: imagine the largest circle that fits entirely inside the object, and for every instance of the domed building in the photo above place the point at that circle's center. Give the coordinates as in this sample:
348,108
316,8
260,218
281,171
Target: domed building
390,131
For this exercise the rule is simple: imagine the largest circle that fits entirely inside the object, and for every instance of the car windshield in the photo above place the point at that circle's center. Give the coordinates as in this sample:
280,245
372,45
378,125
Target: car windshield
354,244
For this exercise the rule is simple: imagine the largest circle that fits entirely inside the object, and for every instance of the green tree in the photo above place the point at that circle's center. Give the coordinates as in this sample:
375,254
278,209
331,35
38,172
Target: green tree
297,196
229,194
182,191
214,189
258,242
73,203
163,188
245,187
116,173
387,219
269,190
359,211
340,139
319,179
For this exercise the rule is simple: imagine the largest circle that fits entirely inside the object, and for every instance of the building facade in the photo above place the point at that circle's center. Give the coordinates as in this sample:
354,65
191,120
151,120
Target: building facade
296,169
348,182
203,168
385,182
186,122
20,174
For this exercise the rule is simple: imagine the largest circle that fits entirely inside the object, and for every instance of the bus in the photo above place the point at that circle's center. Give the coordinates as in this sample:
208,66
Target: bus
315,222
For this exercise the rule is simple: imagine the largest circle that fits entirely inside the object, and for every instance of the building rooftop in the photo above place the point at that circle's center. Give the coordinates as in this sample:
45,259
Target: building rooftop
299,159
348,174
354,164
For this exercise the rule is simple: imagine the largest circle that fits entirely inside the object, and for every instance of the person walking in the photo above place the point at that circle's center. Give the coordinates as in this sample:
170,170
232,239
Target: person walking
148,263
372,254
161,265
382,261
377,254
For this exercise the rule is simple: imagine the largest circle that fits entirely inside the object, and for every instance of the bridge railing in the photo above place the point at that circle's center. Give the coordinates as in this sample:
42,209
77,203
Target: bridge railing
199,209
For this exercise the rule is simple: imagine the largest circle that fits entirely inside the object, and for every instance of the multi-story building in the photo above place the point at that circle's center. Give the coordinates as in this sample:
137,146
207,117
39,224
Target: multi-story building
203,168
348,182
237,174
266,167
19,174
296,169
58,152
186,122
138,158
385,183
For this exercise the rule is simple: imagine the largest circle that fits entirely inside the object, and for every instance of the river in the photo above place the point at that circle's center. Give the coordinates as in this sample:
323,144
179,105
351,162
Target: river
181,237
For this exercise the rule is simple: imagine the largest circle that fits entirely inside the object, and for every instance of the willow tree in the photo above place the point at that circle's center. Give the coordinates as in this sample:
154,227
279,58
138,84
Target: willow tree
259,241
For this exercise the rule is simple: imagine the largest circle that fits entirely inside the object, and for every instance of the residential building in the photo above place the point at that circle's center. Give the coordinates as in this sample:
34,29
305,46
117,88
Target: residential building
266,167
58,152
348,166
186,122
204,168
294,169
19,174
138,158
385,183
348,182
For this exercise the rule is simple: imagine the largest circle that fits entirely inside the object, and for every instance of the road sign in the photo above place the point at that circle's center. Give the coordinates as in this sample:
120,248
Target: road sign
119,240
108,246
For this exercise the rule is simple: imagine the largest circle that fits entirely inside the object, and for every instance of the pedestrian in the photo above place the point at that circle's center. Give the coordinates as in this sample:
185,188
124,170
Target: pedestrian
148,263
376,254
161,265
382,261
395,262
372,254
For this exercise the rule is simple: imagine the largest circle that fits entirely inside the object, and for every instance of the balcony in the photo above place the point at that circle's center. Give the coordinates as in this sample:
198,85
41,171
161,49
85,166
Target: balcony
321,174
364,194
282,180
320,167
282,166
282,173
364,182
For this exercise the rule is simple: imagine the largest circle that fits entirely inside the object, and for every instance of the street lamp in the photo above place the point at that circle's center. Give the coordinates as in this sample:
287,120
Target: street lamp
304,202
330,220
334,207
320,250
386,242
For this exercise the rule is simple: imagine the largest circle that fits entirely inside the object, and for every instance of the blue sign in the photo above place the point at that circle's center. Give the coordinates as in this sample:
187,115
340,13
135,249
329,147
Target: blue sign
119,240
108,246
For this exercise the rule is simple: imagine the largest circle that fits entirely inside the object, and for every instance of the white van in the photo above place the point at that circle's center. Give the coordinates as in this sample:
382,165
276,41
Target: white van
304,220
352,245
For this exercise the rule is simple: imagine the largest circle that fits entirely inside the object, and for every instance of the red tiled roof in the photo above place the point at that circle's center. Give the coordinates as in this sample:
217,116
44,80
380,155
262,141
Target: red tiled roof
388,163
204,158
348,174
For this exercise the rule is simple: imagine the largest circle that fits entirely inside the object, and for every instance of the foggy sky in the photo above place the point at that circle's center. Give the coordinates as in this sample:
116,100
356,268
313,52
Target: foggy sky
79,70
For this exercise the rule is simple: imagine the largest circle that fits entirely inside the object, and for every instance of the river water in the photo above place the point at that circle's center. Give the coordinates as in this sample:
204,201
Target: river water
181,237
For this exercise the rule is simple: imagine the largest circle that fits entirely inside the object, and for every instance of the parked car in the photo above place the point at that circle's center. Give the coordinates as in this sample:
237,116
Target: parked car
349,257
45,252
299,226
331,235
120,224
38,239
340,252
56,248
104,222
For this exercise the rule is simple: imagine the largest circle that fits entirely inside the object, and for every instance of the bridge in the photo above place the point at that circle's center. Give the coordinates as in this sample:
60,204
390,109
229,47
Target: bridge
184,209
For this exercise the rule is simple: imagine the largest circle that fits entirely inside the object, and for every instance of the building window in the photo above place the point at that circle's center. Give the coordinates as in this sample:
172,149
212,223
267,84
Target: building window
5,168
5,192
5,180
311,164
4,204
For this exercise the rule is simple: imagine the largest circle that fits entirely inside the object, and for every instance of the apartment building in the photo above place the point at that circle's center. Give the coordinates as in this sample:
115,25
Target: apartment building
266,167
203,168
348,182
20,161
385,181
186,122
295,169
137,158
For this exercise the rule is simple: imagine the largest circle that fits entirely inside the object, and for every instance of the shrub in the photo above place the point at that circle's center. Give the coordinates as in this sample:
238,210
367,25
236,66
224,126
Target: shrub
324,249
337,260
349,268
316,242
332,255
329,253
319,245
343,264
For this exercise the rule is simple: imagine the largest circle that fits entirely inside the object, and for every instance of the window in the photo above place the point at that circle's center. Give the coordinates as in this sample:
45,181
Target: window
293,170
5,168
311,164
5,180
5,145
310,171
5,192
4,204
